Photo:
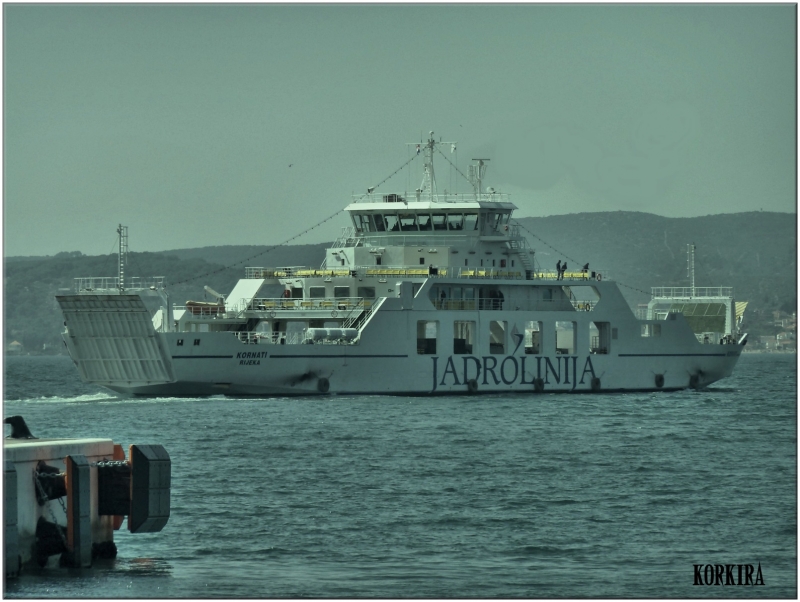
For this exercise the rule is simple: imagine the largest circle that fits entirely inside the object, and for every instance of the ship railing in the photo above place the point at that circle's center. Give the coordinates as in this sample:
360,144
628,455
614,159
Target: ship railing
202,311
349,237
271,338
106,284
402,198
687,292
339,305
384,271
276,272
494,304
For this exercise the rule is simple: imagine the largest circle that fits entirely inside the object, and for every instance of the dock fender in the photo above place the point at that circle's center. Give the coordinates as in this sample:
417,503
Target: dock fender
472,385
595,383
538,385
659,380
51,539
323,385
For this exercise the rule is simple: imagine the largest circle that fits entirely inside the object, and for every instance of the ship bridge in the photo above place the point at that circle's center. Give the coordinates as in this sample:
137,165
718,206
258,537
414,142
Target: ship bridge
431,229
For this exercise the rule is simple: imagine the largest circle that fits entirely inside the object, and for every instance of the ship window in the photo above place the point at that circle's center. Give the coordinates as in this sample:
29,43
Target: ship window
392,223
547,294
493,221
463,337
426,337
455,221
565,338
466,262
424,221
361,222
341,292
471,221
367,292
469,298
512,263
651,330
196,342
502,263
599,337
421,261
497,337
316,292
377,260
180,342
380,223
408,222
493,263
533,337
439,221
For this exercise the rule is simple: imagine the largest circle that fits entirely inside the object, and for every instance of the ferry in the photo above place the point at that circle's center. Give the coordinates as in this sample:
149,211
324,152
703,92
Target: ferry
426,292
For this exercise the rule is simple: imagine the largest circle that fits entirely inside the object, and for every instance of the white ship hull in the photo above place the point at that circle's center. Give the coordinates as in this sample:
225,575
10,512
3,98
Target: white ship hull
385,358
425,293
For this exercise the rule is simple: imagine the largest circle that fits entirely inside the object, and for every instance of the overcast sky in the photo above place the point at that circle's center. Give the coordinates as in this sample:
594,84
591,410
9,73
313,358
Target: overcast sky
181,122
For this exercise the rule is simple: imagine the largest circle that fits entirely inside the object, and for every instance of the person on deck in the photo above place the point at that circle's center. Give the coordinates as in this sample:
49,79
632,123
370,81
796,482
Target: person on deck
558,270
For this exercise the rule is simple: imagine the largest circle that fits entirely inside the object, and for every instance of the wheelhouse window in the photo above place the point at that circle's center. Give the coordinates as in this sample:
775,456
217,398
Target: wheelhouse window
426,337
316,292
439,221
470,221
424,221
455,221
392,223
408,222
341,292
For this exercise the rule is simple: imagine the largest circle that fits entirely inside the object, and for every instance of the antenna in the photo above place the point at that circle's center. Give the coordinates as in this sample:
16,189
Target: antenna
690,264
123,255
477,172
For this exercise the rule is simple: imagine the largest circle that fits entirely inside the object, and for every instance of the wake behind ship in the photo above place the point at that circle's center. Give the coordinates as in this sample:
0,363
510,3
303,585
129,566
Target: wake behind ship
425,293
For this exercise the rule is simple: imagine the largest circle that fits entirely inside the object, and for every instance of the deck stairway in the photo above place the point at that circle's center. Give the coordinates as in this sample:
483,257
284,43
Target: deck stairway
519,245
361,314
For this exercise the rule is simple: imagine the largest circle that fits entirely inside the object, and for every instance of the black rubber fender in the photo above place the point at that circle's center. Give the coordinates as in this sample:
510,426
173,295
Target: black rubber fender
323,385
659,380
538,385
595,384
472,385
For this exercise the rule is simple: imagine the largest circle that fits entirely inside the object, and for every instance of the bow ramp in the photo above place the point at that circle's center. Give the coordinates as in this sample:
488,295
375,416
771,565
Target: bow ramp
112,340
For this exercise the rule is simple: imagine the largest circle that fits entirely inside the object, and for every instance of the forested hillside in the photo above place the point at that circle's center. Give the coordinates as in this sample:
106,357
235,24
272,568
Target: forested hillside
753,252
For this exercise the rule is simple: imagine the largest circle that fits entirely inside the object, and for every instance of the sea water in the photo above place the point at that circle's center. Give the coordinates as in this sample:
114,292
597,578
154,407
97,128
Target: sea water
515,495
